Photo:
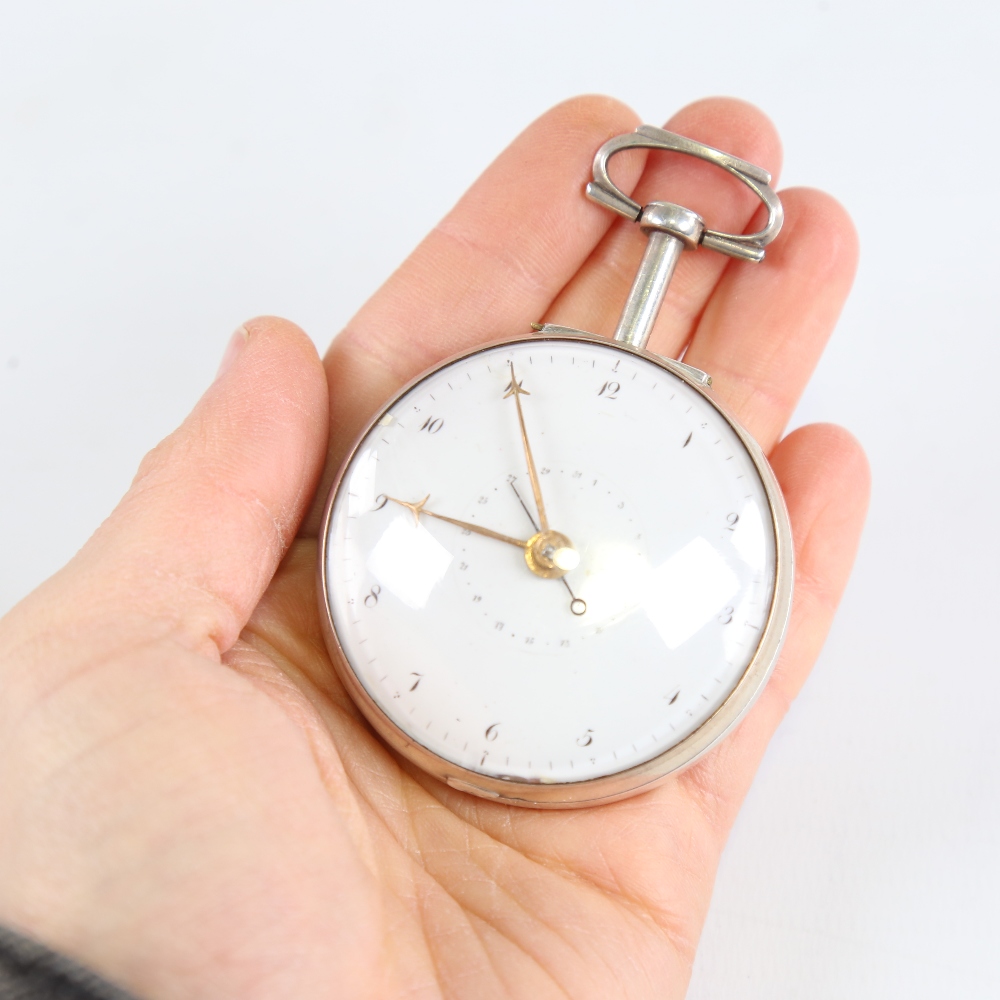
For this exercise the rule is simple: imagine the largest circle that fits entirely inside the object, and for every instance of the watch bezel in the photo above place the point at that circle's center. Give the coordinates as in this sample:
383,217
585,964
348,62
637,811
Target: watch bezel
639,777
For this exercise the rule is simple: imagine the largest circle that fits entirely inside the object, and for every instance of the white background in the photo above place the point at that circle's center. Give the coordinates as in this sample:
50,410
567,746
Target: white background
167,170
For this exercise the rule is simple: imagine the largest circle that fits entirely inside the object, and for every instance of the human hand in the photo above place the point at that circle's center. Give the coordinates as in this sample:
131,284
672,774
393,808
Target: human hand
190,803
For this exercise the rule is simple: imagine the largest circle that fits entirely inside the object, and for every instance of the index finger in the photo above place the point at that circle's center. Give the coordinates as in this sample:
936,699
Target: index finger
487,270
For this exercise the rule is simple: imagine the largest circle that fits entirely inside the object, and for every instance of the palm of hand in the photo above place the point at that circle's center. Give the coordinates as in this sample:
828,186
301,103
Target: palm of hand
196,829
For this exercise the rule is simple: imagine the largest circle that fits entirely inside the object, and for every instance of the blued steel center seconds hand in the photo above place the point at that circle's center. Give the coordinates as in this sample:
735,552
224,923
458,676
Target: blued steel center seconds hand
576,604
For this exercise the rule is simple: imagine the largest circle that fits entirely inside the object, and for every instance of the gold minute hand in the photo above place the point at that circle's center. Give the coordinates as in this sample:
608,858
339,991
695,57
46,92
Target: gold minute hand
515,390
418,509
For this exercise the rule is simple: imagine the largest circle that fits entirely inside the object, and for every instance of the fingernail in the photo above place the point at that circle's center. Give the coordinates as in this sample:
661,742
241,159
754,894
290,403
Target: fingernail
236,344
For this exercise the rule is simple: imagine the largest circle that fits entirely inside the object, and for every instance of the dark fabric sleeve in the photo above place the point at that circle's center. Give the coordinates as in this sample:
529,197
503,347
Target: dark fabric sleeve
30,971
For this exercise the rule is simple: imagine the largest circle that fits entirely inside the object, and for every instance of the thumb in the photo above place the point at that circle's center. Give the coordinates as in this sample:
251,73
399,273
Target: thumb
191,547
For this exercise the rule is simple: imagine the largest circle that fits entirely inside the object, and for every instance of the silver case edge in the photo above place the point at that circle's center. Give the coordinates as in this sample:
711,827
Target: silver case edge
642,777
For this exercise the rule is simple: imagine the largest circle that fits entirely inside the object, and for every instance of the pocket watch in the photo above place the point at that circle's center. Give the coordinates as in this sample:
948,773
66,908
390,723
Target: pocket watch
555,568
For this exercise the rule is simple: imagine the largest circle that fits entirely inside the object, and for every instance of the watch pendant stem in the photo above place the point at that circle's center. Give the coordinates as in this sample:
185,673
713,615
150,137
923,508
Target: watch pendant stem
671,230
650,285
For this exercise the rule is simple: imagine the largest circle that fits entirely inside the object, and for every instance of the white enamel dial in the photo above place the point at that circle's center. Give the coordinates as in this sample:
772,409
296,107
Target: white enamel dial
517,676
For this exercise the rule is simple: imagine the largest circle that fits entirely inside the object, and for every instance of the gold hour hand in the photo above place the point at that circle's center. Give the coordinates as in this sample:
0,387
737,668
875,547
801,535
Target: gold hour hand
418,508
515,390
548,554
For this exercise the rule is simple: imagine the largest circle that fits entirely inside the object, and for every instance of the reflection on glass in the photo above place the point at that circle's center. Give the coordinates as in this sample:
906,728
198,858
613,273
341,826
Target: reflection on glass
687,591
614,582
408,561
